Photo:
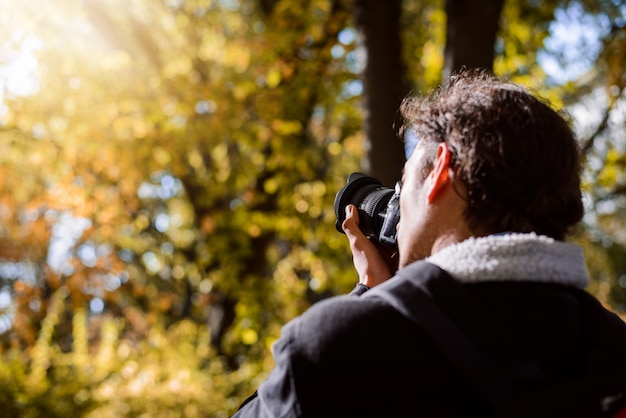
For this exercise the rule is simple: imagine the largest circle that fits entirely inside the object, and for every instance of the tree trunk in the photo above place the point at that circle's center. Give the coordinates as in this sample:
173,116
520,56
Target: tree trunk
384,84
471,34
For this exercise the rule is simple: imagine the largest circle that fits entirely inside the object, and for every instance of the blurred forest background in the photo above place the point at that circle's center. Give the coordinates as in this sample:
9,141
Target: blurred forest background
168,170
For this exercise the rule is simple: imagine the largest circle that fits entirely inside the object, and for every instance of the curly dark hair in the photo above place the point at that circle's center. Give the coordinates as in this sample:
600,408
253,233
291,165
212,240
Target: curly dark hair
517,156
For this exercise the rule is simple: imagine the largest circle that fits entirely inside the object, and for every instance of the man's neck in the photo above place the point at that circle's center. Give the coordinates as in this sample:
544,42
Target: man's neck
450,237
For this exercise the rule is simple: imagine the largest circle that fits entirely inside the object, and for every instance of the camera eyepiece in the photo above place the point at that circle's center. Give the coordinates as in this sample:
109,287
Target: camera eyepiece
378,207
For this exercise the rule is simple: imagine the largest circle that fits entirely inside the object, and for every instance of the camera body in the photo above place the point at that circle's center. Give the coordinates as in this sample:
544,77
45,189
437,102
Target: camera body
378,207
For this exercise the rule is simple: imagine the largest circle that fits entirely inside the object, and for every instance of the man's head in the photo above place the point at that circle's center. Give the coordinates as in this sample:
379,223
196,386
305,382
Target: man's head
512,159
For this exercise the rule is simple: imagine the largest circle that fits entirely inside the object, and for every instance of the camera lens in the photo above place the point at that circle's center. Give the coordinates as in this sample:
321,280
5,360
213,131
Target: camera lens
369,196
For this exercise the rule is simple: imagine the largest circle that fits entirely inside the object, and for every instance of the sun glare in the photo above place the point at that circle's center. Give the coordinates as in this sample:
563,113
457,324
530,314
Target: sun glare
18,66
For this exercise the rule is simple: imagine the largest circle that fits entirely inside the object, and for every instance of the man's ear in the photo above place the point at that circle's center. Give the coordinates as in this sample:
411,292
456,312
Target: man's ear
439,176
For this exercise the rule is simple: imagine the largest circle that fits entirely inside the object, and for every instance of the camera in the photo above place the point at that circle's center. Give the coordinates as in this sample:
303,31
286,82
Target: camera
378,207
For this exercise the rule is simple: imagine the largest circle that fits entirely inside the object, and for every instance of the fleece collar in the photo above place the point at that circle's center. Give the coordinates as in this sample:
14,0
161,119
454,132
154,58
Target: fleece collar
514,257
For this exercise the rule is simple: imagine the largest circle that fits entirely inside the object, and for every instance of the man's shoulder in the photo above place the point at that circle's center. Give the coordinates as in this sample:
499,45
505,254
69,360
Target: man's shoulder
338,312
342,323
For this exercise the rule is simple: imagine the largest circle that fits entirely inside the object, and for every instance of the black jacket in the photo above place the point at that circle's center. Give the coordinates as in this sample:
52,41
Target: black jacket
352,356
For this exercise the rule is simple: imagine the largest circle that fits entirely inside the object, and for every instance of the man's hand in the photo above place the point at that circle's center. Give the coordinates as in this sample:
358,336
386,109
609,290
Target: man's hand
375,263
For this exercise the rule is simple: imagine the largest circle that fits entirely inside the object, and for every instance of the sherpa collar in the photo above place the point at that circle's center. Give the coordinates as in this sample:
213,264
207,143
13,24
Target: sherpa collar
514,257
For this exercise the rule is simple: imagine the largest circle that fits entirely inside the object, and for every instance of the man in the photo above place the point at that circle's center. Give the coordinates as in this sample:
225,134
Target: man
488,195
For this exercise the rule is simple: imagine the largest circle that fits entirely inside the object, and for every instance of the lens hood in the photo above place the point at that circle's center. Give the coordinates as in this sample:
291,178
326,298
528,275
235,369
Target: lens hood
357,183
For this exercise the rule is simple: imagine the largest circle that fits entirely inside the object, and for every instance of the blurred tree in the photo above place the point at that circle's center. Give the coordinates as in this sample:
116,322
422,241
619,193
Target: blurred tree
193,162
384,86
471,29
168,162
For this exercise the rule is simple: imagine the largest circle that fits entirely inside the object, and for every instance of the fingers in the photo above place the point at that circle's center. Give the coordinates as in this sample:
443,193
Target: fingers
370,264
351,224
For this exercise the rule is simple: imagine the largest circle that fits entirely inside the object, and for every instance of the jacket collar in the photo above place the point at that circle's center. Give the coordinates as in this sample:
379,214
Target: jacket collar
514,257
